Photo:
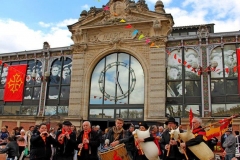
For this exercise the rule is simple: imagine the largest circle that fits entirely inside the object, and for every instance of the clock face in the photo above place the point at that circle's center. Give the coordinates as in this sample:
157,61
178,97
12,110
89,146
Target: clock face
118,80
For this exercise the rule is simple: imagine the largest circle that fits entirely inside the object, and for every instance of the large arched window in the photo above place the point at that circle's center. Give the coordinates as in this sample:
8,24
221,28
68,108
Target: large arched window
59,87
224,86
117,88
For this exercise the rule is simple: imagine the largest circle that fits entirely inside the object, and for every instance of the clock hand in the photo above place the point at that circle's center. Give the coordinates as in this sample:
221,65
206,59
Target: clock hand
116,81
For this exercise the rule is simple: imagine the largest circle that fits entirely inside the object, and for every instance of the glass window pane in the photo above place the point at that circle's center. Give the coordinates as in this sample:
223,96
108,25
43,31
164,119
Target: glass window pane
216,59
230,60
38,79
110,81
193,88
4,76
175,34
192,33
36,92
55,72
29,80
232,87
174,110
173,89
174,69
191,64
136,88
1,109
50,110
217,87
29,110
95,113
63,110
195,109
11,110
123,113
97,83
1,94
65,91
53,92
135,113
28,93
225,109
67,71
108,113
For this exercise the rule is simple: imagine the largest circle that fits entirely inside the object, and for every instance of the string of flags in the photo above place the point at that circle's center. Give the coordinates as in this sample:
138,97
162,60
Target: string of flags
198,70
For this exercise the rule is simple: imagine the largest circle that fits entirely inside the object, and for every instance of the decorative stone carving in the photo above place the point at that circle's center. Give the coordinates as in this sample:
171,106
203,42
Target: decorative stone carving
202,32
142,6
159,40
116,42
46,46
78,48
157,27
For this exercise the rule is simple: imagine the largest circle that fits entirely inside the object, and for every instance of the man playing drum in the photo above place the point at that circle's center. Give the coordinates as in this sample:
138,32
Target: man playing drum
116,135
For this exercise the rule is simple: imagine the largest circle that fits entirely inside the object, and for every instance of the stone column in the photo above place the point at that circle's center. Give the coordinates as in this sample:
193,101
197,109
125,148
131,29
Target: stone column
156,84
76,101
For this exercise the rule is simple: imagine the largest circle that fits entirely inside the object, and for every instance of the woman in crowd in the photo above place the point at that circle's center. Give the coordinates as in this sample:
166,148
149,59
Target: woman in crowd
3,136
41,144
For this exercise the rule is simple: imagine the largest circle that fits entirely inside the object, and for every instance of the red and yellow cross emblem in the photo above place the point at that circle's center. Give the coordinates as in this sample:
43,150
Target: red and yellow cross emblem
15,83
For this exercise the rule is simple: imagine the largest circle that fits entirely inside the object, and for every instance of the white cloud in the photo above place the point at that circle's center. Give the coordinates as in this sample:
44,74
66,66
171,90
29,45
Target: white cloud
165,2
85,7
45,25
66,22
225,15
16,36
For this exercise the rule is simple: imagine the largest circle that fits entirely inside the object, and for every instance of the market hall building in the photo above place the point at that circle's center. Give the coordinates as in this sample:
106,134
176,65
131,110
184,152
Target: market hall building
130,62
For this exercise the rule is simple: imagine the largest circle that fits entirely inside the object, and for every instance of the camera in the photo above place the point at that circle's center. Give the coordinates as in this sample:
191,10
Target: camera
45,134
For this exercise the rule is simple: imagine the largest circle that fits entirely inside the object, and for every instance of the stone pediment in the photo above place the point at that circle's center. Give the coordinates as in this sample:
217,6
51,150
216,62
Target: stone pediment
108,24
118,12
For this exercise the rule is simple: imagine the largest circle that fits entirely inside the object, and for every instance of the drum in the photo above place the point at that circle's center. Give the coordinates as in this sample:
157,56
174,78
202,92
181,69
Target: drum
116,152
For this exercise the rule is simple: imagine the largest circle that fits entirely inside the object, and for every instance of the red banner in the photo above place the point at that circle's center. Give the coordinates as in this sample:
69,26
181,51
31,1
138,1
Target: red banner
238,64
15,83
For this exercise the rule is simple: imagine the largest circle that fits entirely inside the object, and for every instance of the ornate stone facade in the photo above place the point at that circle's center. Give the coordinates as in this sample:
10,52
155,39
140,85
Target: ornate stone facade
104,31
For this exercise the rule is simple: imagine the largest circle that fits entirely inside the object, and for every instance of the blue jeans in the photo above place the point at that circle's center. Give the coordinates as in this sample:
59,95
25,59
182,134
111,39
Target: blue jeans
229,156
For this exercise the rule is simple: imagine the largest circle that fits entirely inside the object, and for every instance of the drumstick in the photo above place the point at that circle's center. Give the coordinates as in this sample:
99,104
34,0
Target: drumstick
171,137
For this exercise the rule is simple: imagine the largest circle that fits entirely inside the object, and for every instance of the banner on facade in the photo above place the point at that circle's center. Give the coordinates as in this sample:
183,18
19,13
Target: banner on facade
15,83
238,68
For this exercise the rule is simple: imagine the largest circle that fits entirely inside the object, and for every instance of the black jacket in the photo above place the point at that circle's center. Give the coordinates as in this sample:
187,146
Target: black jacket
130,145
94,143
11,149
123,138
194,141
67,148
174,151
40,149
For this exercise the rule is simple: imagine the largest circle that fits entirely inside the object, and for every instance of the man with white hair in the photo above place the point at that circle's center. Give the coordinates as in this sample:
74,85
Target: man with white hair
87,143
200,136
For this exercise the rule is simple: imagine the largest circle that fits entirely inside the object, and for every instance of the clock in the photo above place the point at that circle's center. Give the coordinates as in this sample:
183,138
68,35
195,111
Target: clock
123,93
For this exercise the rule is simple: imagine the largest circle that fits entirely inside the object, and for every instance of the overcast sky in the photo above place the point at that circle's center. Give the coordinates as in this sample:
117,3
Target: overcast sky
26,24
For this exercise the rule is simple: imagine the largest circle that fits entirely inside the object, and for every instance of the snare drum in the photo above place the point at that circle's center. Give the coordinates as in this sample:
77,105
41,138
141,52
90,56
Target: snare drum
118,151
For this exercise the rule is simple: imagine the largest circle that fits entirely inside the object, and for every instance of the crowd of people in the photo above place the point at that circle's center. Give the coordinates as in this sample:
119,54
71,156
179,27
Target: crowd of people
91,143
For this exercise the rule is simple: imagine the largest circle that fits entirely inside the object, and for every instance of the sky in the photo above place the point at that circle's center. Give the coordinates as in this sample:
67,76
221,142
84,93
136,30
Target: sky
26,24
